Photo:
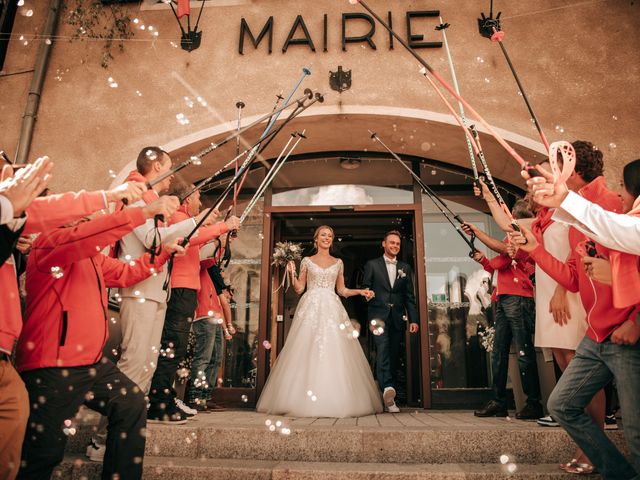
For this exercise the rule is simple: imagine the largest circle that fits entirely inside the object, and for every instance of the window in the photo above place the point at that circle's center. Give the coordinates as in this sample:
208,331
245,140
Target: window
342,195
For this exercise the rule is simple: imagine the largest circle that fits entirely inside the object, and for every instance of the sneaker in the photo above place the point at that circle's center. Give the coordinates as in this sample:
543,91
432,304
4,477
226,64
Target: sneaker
393,408
389,397
531,411
187,411
167,418
95,451
547,421
610,422
492,409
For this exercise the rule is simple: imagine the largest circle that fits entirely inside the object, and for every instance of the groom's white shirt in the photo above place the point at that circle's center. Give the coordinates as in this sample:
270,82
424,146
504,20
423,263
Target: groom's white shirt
392,267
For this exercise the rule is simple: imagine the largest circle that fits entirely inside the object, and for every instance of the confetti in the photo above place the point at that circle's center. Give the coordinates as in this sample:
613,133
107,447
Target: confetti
57,272
182,119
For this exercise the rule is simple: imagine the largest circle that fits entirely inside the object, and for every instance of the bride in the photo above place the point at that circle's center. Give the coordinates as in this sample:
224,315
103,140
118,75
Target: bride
321,371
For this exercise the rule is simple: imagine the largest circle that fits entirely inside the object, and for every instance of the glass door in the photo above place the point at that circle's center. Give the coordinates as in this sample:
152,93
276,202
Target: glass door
359,233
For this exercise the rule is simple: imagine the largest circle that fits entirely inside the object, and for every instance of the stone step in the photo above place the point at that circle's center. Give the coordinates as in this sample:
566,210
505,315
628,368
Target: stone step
325,441
180,468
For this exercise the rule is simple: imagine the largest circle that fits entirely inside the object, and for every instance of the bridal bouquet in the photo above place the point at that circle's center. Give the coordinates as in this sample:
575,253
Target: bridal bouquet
283,253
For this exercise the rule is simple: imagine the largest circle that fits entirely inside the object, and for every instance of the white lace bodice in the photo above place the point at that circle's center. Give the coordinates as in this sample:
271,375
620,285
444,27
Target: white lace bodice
318,277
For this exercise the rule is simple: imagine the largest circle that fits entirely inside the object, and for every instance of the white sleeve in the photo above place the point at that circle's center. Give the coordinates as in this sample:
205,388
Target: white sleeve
6,210
615,231
207,250
168,234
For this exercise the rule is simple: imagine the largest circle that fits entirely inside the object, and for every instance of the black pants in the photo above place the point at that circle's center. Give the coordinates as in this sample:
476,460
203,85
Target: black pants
56,394
388,354
173,347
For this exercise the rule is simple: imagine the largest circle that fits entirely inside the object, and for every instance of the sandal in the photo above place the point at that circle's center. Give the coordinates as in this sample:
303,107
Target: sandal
572,464
581,469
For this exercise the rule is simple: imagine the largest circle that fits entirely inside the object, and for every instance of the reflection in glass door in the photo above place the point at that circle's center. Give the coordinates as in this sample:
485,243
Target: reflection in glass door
459,296
236,379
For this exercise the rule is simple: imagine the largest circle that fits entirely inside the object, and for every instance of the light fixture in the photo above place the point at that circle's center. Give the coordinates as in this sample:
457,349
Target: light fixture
190,39
350,163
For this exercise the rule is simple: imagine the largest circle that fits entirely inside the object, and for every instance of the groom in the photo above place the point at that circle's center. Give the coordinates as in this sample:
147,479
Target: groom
392,284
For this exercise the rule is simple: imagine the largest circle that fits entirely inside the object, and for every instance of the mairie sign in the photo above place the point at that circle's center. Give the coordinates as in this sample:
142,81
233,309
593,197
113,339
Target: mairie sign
356,28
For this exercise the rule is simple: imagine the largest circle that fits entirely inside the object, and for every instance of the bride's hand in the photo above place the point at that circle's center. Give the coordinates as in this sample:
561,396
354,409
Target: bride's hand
368,294
291,267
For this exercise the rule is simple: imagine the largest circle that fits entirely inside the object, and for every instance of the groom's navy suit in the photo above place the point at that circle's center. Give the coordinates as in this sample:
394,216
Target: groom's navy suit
390,305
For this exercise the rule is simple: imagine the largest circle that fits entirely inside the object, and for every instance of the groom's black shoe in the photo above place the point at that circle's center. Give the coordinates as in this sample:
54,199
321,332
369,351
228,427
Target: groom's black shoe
531,411
492,409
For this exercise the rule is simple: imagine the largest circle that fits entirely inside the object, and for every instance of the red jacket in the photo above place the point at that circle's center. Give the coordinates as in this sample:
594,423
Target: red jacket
66,317
43,213
512,280
208,301
602,317
186,269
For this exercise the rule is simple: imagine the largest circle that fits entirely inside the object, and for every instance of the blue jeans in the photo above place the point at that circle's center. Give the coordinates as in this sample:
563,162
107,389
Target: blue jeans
593,367
215,362
206,359
515,319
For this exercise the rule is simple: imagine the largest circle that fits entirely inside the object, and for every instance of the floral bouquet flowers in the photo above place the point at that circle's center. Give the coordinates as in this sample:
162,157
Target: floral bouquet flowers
283,253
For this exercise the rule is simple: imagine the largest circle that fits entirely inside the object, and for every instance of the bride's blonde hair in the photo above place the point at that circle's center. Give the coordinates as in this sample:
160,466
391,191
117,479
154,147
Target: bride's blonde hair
317,232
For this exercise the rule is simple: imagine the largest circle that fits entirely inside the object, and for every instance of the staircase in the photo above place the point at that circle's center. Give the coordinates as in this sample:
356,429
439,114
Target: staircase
420,445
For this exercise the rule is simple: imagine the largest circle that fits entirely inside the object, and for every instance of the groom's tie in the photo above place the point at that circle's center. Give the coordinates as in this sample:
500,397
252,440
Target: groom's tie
391,269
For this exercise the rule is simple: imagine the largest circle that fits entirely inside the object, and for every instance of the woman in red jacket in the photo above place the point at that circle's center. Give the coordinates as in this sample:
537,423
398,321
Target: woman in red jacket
610,350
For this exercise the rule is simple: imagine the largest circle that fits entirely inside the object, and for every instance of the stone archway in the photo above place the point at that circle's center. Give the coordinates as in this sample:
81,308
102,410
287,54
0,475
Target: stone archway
421,133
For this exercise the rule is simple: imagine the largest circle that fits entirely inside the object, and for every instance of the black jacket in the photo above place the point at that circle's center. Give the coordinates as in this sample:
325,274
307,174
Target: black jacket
8,240
390,304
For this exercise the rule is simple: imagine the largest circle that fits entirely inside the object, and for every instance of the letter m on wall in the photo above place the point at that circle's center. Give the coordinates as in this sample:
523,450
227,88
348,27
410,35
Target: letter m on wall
246,31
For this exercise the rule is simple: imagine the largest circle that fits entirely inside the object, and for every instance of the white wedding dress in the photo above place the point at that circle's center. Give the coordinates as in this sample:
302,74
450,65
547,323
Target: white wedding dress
321,370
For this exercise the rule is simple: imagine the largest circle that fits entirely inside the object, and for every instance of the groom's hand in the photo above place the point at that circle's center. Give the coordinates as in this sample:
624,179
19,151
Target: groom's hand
413,328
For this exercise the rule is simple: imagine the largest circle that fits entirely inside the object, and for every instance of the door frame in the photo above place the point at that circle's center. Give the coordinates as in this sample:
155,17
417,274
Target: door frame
268,310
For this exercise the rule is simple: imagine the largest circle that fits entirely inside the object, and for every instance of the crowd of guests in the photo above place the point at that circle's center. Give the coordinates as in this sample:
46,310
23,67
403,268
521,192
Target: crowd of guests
166,287
578,241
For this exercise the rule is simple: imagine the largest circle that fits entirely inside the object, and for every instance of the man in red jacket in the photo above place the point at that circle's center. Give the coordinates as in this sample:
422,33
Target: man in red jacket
30,215
515,319
59,352
185,283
